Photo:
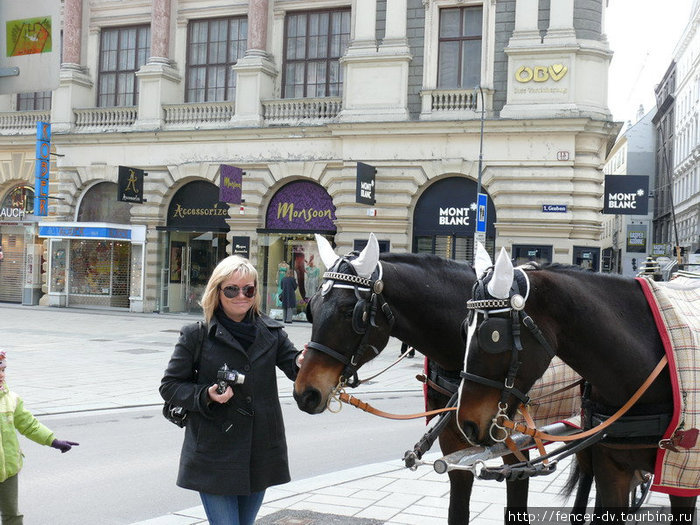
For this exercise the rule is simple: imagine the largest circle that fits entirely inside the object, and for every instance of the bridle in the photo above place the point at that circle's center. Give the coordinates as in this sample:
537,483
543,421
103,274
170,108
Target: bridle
499,332
368,292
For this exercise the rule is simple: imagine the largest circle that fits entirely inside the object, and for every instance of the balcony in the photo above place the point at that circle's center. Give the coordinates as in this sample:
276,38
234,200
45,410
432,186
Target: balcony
105,119
452,104
22,122
297,111
209,115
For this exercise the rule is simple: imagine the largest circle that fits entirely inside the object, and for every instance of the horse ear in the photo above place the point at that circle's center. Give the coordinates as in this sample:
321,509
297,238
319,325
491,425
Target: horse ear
367,261
502,280
325,250
482,261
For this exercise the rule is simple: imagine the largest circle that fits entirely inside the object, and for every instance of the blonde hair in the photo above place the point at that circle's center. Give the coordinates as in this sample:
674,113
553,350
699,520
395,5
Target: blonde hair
233,264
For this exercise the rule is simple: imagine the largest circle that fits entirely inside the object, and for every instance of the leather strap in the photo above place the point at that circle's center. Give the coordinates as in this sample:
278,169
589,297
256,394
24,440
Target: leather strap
351,400
534,433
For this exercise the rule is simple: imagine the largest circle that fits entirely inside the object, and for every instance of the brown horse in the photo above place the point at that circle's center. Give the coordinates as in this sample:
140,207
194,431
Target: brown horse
367,298
602,327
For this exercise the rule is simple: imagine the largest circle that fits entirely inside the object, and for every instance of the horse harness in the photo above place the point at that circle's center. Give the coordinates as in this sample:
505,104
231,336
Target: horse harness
494,337
368,292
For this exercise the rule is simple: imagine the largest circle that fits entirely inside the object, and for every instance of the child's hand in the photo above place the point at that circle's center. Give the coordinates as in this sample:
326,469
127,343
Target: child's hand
63,446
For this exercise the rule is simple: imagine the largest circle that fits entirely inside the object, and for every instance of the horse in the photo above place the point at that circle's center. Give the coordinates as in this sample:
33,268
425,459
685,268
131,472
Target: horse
365,299
601,326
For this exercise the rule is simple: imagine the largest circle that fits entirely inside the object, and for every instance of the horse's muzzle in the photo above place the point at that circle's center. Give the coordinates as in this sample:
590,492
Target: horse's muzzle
310,401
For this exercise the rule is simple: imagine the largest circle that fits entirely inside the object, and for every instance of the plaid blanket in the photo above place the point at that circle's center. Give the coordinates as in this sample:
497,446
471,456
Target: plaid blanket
548,406
676,308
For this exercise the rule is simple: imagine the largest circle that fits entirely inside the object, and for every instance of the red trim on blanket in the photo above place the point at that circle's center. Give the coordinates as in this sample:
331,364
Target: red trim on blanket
661,328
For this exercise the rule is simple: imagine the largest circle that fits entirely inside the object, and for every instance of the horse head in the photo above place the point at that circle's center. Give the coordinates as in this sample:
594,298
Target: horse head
351,323
498,373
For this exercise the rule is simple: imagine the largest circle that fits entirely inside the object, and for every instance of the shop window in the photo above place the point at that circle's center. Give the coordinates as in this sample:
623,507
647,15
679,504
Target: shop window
123,50
99,268
100,204
213,47
314,43
459,48
35,101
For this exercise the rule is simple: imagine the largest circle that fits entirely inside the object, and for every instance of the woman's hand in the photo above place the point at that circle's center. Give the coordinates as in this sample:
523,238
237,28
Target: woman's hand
300,356
219,398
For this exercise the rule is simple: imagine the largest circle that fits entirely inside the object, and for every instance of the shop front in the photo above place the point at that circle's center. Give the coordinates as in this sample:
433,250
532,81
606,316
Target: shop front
287,245
95,265
20,250
444,220
195,241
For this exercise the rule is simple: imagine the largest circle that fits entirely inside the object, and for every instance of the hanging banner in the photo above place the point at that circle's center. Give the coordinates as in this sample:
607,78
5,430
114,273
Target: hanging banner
41,169
231,184
365,184
626,195
130,185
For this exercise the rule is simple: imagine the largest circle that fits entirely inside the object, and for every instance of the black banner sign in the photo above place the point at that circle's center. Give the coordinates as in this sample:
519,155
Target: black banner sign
365,185
130,185
626,195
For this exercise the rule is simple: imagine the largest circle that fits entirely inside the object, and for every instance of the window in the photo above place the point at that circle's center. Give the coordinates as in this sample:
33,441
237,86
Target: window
38,100
122,52
314,43
459,61
213,47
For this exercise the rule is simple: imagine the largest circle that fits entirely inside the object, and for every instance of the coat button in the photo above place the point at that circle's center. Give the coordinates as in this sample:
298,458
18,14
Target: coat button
249,400
246,368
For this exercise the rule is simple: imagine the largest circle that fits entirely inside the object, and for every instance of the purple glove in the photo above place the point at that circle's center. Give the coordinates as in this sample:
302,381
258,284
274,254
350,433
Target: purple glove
63,446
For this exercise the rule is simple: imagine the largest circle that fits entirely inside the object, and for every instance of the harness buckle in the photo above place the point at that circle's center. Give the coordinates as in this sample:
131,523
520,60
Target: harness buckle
509,382
496,425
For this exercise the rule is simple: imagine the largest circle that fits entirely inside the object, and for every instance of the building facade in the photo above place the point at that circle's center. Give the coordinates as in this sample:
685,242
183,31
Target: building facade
627,239
296,94
686,158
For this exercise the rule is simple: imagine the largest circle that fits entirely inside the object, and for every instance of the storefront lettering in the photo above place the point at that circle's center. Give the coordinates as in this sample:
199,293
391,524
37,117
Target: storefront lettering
181,212
14,213
454,216
286,210
622,201
229,183
541,73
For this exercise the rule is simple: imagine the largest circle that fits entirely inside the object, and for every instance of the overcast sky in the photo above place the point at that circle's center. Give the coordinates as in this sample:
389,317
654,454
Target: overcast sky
642,35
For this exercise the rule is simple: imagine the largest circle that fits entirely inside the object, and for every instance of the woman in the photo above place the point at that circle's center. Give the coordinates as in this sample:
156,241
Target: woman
235,445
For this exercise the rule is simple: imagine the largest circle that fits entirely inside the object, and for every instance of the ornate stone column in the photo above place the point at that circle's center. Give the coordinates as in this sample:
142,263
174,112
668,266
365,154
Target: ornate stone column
158,79
255,72
75,85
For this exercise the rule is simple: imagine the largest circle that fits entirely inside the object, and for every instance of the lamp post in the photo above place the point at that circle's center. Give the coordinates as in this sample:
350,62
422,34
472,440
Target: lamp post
481,200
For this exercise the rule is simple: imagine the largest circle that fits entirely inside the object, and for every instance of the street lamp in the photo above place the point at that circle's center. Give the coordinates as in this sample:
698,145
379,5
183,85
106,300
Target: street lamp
481,200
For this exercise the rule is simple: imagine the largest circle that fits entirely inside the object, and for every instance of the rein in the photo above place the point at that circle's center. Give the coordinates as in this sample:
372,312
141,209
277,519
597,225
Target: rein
352,400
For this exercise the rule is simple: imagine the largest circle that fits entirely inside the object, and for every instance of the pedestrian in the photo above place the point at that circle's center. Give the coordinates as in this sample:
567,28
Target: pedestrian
289,297
235,445
16,418
405,348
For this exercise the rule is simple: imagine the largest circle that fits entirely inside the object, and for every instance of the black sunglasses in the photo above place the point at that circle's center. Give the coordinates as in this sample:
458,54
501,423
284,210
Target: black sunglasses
232,291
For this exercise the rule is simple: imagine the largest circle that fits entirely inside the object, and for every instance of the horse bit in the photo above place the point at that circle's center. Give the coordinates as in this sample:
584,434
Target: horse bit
363,317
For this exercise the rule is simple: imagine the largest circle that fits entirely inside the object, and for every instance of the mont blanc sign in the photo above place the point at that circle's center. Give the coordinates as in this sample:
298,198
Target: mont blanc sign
626,195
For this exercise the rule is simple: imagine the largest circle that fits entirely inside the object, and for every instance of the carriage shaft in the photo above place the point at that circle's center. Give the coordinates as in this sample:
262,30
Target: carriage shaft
467,458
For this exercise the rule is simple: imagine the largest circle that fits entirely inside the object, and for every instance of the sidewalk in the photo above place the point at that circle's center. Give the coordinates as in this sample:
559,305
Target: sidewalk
122,355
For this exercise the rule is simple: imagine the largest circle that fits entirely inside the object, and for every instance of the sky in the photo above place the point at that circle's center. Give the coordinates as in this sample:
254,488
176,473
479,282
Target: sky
642,35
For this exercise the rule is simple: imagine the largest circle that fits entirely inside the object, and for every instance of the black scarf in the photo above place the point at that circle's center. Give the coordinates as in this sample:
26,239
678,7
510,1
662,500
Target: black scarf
244,332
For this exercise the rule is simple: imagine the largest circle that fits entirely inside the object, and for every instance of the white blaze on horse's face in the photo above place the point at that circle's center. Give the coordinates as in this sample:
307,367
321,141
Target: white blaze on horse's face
502,279
325,250
482,261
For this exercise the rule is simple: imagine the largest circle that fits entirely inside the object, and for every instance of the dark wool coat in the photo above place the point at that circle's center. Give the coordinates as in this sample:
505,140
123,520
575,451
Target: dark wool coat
238,447
289,298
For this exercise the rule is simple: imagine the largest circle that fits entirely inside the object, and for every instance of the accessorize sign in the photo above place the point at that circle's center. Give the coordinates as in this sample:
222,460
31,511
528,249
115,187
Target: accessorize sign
196,207
626,195
130,184
231,184
301,206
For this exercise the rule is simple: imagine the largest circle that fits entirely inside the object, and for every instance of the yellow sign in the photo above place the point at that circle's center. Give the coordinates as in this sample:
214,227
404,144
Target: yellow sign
541,73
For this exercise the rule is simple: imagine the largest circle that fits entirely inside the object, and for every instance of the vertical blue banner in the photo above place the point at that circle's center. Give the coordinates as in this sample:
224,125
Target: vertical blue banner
41,170
481,206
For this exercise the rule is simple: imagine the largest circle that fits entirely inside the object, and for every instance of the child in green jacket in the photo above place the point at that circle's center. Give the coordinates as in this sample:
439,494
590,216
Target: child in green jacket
14,417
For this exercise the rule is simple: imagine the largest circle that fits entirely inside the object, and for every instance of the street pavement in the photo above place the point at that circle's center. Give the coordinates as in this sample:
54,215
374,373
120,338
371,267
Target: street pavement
122,357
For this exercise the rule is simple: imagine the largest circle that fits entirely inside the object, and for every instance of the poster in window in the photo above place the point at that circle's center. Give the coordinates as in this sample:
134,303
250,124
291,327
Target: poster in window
176,261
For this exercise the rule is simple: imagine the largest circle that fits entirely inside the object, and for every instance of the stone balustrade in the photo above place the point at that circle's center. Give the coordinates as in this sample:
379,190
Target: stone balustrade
200,113
22,122
301,110
102,118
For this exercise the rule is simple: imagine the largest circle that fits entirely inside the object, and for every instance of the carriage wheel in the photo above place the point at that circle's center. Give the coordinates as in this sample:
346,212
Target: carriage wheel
640,490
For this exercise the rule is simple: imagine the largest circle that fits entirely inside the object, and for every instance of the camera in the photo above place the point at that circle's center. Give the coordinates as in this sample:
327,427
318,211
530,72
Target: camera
226,376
